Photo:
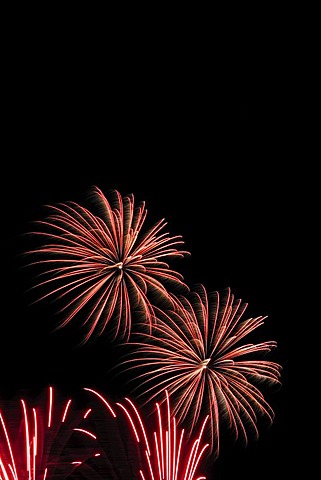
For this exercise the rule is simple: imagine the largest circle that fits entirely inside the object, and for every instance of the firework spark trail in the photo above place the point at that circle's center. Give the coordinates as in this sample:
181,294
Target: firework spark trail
196,354
168,455
105,264
41,447
54,440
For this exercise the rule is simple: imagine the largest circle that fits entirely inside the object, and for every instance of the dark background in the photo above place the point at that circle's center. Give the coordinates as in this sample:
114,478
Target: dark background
200,127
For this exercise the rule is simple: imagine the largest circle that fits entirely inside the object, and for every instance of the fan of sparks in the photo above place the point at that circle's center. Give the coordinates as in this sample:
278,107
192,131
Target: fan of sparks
102,440
196,353
169,453
52,439
105,266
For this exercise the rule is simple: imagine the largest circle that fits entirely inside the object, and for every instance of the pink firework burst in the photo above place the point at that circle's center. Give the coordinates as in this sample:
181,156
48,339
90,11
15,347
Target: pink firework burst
196,353
50,440
105,266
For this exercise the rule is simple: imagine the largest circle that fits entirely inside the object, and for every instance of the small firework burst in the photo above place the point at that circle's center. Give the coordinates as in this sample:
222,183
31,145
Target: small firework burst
92,437
168,453
47,441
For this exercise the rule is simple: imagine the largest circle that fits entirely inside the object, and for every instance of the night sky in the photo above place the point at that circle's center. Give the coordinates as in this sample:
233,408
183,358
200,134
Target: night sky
197,133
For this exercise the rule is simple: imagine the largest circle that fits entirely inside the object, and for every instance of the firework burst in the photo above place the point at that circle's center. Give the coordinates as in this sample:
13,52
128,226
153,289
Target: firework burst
91,437
168,454
197,354
105,266
50,440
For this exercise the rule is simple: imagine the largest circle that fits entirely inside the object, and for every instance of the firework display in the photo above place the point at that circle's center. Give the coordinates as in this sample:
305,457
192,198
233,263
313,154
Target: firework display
190,355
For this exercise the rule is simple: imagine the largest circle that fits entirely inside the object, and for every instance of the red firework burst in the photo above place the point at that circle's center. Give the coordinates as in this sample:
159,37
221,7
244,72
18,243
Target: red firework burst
65,439
168,454
196,353
48,441
104,265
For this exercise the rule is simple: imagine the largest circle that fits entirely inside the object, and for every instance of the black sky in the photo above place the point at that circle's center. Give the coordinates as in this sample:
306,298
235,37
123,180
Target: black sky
196,129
